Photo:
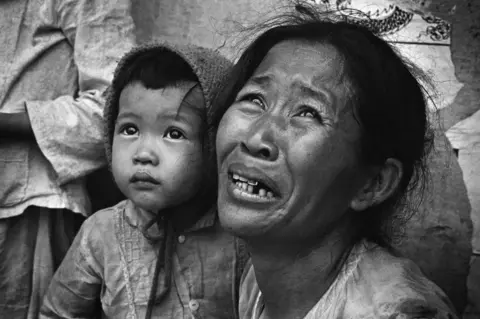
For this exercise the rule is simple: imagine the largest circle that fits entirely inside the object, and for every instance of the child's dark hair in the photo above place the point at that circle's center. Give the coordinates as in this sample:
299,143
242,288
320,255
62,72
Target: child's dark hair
155,70
388,102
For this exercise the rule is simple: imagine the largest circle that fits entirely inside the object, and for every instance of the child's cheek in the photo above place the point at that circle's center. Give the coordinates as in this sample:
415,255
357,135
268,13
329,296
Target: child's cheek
120,164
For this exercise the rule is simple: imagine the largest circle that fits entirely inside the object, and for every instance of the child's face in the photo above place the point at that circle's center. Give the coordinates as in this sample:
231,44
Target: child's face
157,145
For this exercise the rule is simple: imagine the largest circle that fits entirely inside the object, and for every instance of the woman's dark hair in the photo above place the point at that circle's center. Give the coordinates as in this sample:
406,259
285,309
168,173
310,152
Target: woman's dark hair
388,100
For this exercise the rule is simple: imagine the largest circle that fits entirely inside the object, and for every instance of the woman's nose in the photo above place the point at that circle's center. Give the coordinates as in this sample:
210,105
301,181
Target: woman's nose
261,143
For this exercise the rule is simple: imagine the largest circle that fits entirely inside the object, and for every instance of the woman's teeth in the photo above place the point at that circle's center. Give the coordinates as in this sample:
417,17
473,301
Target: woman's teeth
251,187
243,179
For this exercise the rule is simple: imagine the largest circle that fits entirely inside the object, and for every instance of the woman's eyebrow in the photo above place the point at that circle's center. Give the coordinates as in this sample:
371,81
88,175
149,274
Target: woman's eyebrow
264,81
314,92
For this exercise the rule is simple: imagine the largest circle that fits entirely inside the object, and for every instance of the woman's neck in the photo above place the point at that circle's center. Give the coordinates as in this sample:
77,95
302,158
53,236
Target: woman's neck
294,279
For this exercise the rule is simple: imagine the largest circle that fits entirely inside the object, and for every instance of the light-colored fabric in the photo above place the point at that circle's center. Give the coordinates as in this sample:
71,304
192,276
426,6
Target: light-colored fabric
111,261
472,310
372,284
465,137
43,263
31,248
57,57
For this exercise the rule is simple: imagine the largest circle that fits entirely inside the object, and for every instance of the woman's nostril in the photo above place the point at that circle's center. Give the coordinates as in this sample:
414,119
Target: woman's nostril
265,153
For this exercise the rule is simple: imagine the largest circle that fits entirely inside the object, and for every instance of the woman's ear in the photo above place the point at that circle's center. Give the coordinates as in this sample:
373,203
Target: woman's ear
380,187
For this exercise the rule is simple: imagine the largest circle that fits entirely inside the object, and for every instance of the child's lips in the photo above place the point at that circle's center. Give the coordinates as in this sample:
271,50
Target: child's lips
143,177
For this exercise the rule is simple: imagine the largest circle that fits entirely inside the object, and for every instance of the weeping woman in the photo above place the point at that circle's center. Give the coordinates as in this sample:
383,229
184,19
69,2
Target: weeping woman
322,133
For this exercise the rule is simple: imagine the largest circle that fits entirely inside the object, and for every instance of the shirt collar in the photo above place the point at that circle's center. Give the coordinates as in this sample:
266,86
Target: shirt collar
209,219
135,218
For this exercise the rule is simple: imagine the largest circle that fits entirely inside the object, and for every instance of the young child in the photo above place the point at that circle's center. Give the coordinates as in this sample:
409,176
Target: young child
161,253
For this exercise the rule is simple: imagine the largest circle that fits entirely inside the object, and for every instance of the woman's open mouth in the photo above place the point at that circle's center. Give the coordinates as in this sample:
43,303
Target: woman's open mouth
250,189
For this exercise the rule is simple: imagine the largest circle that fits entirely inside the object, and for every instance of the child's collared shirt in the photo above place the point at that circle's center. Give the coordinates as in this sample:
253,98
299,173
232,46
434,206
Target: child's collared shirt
112,260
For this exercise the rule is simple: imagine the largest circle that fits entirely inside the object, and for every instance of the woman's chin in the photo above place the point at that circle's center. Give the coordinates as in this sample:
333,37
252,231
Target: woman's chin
244,214
241,222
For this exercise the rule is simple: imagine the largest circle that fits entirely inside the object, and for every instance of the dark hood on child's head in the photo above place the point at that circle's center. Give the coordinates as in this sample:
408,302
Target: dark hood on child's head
171,65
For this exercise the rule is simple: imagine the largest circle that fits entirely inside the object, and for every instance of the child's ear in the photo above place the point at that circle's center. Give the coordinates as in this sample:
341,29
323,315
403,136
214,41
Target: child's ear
380,187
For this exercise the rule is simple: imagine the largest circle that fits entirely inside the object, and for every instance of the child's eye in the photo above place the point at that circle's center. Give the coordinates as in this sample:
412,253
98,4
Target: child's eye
174,134
129,130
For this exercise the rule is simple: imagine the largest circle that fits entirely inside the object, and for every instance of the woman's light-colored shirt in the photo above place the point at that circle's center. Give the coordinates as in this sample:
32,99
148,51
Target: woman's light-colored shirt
373,284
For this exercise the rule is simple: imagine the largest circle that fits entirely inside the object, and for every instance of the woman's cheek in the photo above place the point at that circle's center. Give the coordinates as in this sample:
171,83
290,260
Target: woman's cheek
228,131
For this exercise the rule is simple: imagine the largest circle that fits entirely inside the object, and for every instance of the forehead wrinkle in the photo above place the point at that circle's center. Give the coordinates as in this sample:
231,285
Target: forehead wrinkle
336,74
338,81
312,91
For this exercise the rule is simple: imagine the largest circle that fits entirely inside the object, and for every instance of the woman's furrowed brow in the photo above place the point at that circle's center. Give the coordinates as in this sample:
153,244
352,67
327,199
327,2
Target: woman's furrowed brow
314,92
264,81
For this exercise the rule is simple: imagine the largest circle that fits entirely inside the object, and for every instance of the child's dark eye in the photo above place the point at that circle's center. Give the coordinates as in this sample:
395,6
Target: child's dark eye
129,130
174,134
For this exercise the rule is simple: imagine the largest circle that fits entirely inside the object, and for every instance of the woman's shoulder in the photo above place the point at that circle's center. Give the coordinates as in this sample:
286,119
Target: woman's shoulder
392,287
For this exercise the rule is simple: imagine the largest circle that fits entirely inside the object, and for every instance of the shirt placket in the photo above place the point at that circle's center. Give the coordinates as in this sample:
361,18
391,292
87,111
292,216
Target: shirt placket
190,305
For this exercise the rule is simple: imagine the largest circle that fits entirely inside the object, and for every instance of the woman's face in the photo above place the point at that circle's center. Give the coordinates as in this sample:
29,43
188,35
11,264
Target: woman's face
287,147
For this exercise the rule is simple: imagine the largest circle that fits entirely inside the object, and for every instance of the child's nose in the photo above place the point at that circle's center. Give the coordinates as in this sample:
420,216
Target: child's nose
145,157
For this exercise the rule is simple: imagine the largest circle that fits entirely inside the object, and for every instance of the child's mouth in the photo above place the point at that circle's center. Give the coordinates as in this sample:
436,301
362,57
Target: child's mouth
143,177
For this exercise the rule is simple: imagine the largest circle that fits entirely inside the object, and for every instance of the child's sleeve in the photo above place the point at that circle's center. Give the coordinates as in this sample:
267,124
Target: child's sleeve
74,291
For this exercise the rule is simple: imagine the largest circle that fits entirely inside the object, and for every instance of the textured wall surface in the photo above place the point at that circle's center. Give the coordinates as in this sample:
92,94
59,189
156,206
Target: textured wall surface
439,236
207,22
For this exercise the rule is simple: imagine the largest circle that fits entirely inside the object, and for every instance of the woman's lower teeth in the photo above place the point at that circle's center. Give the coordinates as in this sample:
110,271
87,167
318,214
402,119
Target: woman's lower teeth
249,189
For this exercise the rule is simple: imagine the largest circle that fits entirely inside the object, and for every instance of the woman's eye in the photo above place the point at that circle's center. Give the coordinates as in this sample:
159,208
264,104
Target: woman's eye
174,134
310,113
129,130
254,99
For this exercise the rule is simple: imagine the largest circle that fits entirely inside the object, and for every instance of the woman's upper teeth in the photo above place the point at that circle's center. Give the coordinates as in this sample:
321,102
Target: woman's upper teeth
246,180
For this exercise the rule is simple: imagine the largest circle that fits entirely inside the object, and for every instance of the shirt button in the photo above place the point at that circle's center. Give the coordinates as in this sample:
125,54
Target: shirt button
193,304
181,239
